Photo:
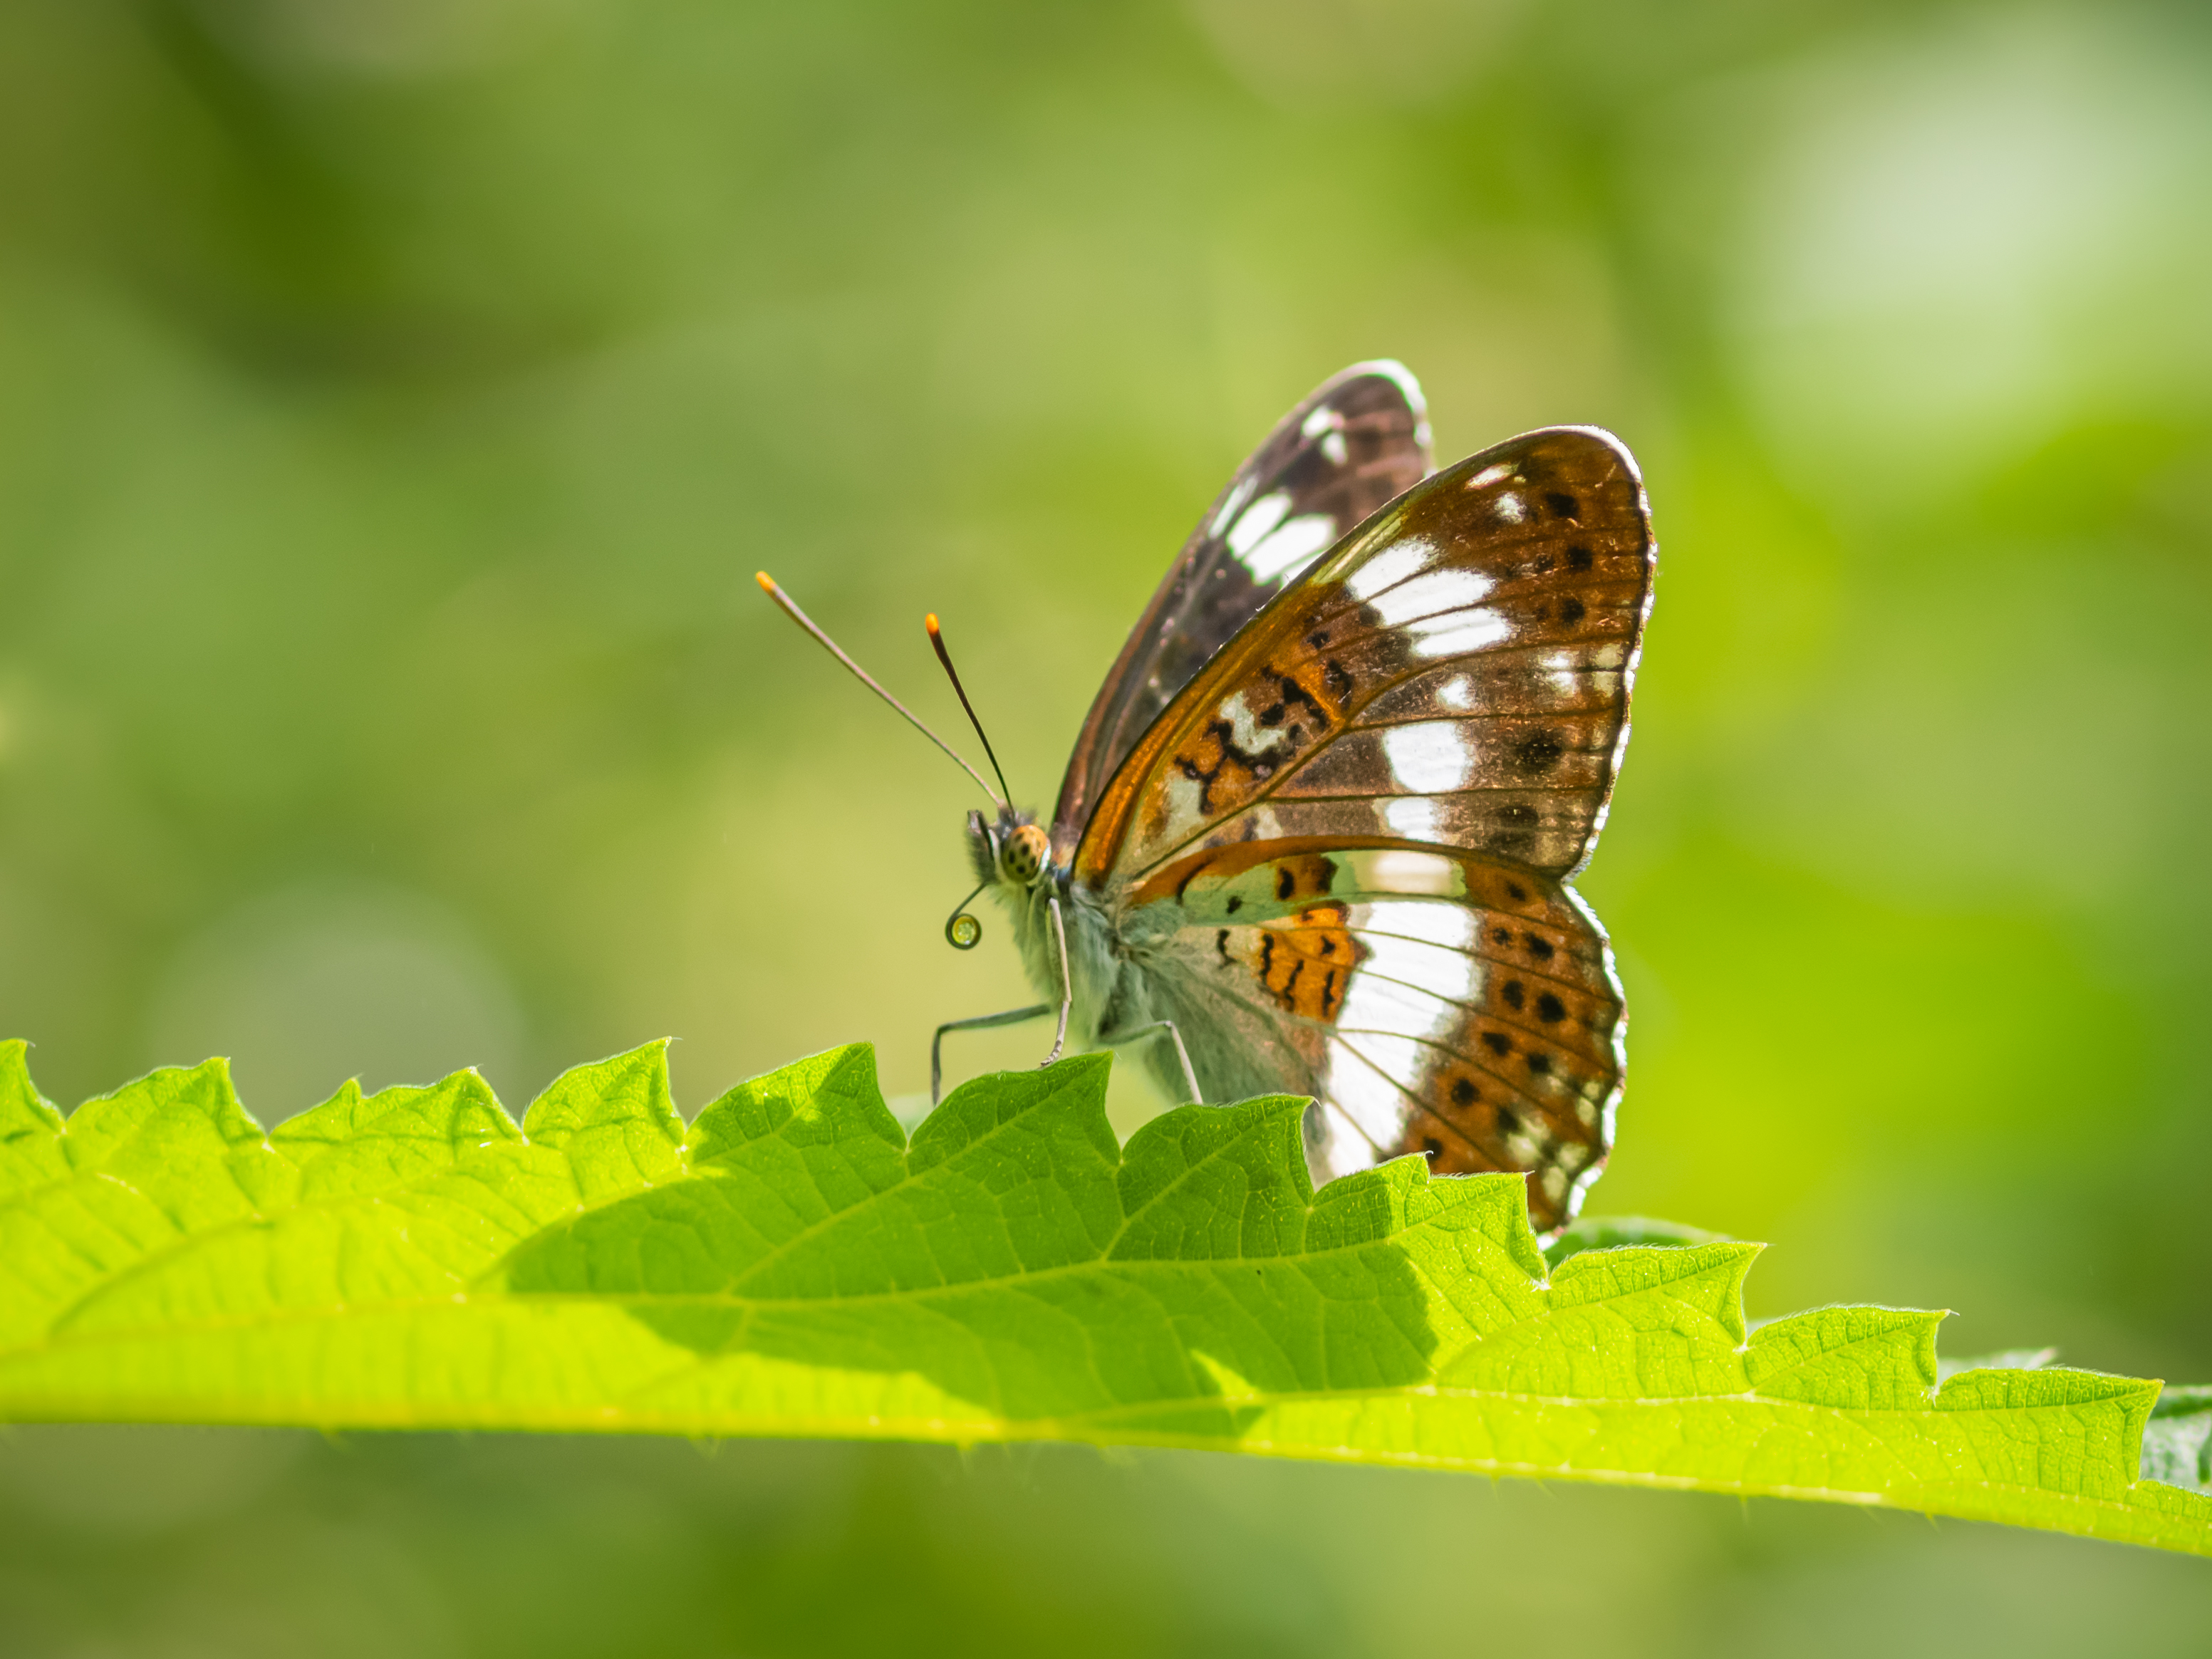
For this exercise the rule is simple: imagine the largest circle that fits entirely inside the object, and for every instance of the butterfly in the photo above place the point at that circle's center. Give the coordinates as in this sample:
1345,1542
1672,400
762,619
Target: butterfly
1316,833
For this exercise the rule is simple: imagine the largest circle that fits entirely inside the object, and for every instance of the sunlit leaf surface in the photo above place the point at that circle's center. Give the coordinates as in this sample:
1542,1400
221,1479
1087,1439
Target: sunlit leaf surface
793,1265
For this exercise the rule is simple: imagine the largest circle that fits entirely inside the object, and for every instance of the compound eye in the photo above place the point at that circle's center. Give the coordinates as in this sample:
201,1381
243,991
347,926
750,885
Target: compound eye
1026,850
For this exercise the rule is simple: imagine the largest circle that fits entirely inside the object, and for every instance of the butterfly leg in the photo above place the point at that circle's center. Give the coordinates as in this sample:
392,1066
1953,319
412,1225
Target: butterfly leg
981,1022
1066,987
1190,1077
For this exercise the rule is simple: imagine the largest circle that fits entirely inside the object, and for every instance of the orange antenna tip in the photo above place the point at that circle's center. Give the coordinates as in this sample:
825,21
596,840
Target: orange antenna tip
766,581
930,623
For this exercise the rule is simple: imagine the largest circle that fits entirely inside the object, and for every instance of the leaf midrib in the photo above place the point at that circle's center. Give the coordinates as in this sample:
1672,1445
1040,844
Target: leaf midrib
653,1299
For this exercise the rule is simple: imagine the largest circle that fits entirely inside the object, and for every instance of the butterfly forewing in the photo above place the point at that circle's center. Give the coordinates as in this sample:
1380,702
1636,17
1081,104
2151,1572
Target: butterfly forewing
1455,675
1355,443
1338,852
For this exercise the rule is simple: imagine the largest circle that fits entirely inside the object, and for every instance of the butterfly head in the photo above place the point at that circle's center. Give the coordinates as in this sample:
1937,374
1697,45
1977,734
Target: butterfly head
1013,850
1008,851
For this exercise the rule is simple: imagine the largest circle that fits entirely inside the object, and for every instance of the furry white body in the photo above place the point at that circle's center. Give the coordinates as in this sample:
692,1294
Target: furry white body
1125,979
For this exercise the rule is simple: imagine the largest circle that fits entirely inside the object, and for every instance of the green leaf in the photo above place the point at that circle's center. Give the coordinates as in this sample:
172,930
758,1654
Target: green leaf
1605,1232
793,1265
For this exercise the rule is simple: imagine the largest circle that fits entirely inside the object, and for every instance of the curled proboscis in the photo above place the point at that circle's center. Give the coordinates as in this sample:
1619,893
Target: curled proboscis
961,931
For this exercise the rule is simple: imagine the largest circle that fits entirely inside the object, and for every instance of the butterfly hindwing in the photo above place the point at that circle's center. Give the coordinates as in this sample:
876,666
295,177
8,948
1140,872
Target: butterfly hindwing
1456,674
1446,1005
1359,441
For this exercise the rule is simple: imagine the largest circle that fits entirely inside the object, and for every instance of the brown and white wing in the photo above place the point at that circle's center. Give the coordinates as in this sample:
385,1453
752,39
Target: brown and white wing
1436,714
1446,1005
1455,674
1360,439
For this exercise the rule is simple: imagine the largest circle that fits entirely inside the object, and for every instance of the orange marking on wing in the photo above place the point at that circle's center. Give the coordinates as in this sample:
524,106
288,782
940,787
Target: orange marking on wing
1293,701
1306,961
1203,756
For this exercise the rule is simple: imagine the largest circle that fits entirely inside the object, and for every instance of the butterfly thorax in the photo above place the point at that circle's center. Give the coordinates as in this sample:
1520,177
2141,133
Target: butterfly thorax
1013,856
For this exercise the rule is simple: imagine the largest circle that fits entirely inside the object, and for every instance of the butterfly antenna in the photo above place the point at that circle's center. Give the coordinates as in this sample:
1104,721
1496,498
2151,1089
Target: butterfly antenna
768,587
937,640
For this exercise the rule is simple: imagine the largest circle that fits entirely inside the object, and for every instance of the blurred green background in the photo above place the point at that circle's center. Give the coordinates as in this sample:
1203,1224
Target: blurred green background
397,395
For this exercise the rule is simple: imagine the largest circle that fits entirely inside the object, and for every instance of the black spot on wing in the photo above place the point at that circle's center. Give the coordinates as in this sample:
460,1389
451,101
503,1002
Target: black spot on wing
1289,692
1539,751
